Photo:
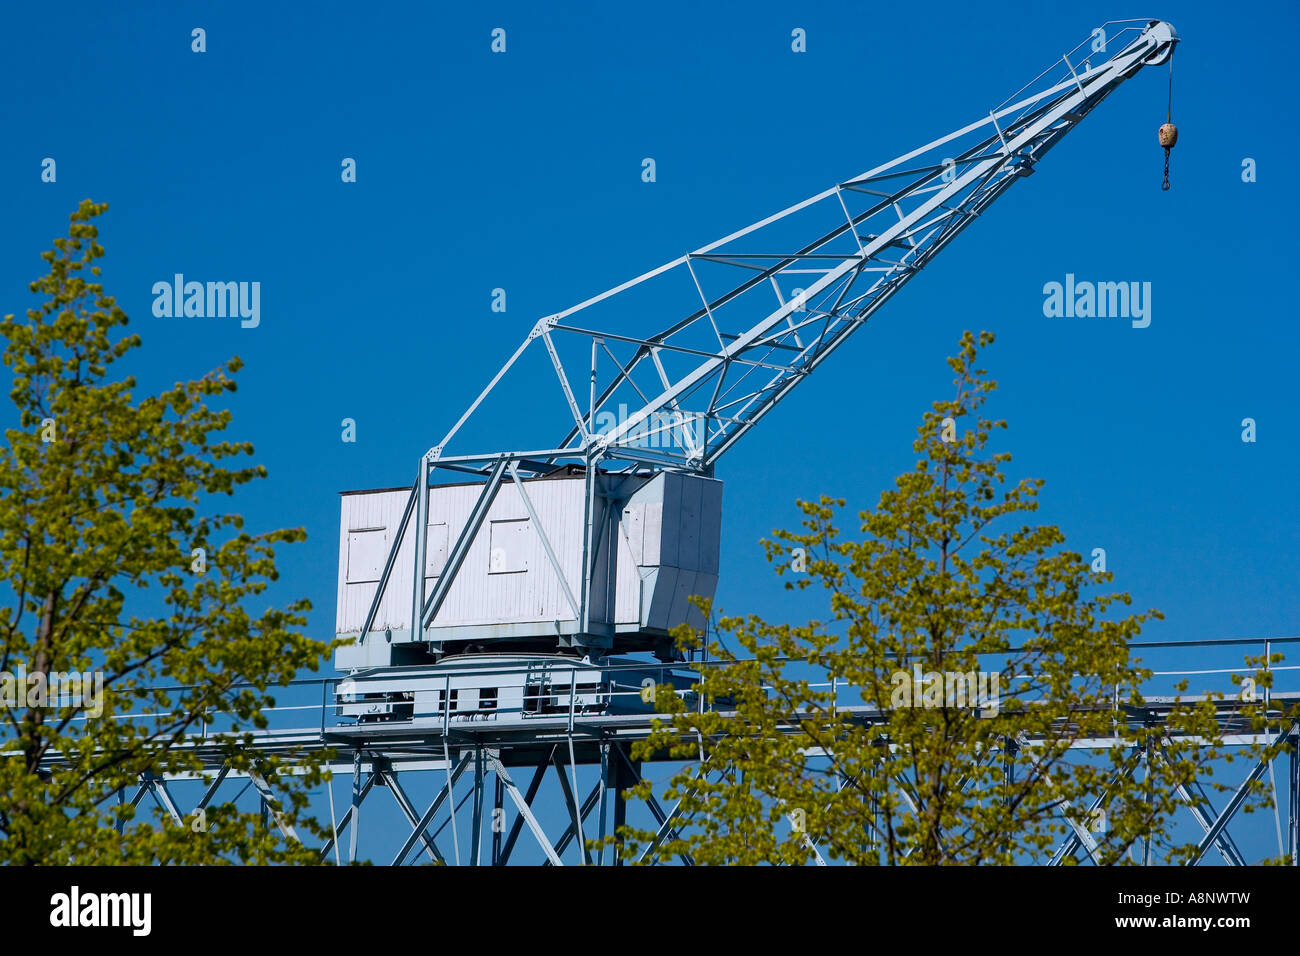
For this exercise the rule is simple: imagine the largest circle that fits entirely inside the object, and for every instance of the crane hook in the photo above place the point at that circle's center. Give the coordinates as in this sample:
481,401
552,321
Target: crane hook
1168,138
1169,132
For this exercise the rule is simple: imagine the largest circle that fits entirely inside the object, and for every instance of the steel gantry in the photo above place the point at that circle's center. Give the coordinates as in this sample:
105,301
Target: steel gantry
474,792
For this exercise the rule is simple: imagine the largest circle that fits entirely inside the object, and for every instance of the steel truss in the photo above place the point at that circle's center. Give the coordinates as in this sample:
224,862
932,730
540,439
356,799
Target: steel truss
776,298
484,783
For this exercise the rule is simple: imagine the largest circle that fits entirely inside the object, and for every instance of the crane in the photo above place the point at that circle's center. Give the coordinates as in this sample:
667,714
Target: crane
592,545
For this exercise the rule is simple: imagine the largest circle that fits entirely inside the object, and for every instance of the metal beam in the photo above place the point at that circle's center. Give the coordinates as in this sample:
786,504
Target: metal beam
389,777
421,547
476,832
347,816
522,806
1123,772
665,820
538,775
576,816
1226,846
281,821
456,556
212,788
388,567
545,541
1229,811
158,790
429,814
1293,795
566,837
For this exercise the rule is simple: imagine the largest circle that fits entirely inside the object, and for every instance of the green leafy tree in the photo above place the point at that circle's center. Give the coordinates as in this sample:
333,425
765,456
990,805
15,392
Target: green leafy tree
936,717
105,496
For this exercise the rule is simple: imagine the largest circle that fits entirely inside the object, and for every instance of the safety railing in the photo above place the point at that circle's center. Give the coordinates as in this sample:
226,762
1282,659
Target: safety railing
573,689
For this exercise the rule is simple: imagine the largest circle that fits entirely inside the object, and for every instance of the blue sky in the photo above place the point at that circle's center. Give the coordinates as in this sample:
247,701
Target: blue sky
522,171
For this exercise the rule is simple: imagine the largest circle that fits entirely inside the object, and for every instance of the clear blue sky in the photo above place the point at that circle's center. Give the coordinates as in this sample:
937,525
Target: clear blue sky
522,171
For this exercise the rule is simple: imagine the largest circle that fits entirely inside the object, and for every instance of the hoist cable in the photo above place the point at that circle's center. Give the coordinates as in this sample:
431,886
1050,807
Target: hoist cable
1169,119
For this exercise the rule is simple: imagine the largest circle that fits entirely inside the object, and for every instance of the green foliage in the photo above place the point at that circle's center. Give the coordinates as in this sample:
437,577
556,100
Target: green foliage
947,579
103,498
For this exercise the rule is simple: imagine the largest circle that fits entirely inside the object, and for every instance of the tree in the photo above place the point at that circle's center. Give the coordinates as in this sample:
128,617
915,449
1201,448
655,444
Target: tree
105,503
933,719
